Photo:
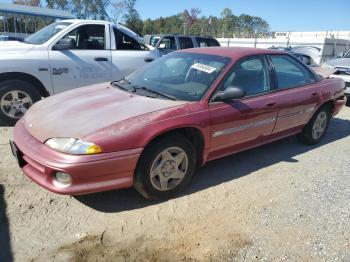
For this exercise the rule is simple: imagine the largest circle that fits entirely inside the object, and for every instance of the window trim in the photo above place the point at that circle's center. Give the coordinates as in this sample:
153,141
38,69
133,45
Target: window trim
276,87
271,82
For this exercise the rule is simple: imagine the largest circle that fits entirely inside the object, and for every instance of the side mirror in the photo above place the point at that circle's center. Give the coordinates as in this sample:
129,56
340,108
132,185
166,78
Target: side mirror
64,44
161,46
340,55
228,94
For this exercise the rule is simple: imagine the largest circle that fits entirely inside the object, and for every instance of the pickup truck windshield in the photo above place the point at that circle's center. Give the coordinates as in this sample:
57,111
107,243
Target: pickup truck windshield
46,33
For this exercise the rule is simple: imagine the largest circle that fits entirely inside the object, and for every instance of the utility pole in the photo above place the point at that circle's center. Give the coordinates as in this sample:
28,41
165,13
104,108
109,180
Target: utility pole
185,26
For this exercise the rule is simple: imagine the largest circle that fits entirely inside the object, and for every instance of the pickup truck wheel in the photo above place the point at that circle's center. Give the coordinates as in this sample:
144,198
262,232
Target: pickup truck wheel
165,168
316,128
16,96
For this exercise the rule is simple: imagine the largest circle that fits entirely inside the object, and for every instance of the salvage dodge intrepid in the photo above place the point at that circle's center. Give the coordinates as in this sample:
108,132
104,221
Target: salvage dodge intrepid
152,129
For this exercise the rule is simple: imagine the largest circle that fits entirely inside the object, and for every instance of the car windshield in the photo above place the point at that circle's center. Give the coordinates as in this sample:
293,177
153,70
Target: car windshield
180,76
46,33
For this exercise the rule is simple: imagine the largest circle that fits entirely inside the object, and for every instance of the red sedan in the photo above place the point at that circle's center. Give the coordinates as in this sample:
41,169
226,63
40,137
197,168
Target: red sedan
152,129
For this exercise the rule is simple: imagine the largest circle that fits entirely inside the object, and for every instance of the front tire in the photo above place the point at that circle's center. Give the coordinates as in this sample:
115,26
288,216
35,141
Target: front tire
165,167
315,130
16,96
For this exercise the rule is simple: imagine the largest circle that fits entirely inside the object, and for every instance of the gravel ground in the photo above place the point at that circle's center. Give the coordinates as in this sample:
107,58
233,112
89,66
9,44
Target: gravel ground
282,201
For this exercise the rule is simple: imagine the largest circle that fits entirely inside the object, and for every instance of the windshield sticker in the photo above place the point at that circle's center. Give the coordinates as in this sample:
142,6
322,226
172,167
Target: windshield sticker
204,68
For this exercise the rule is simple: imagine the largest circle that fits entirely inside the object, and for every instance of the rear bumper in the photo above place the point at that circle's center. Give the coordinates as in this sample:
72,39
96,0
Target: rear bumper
89,174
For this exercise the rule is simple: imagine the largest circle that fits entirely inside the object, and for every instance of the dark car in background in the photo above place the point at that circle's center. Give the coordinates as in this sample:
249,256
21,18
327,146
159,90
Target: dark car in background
4,38
166,43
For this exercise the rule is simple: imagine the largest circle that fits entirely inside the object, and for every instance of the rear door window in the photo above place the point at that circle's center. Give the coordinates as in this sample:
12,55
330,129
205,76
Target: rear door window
125,42
185,42
207,42
290,73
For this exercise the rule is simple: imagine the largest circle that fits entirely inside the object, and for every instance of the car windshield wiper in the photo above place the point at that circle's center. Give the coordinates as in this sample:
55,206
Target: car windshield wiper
132,89
154,92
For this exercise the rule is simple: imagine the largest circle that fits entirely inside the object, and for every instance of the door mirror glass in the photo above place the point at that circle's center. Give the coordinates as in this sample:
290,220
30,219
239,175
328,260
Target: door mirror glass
162,46
228,94
64,44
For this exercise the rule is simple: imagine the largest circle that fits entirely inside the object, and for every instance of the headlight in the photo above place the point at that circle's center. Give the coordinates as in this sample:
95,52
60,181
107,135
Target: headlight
325,65
73,146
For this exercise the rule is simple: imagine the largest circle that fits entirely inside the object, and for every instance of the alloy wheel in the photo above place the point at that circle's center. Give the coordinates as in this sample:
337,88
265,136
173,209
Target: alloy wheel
15,103
319,125
169,168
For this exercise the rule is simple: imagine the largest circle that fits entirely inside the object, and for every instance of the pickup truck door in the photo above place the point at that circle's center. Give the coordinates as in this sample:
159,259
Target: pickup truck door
87,62
128,54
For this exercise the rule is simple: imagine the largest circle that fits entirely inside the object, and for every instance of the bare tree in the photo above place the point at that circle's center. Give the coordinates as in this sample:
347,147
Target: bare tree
190,17
118,8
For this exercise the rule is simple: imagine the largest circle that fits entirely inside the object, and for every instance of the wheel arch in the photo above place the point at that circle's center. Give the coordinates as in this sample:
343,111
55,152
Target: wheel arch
193,134
329,103
25,77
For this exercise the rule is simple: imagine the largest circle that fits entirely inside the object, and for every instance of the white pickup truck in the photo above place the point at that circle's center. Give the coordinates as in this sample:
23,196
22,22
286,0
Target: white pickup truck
65,55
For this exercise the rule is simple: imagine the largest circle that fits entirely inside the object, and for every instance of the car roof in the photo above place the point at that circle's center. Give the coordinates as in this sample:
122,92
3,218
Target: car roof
232,52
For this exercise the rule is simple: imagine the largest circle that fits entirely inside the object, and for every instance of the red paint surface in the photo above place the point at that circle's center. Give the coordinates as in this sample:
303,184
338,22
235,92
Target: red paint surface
123,125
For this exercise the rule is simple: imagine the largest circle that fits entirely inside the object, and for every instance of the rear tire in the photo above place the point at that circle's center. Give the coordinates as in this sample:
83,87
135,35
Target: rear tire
165,167
315,130
16,96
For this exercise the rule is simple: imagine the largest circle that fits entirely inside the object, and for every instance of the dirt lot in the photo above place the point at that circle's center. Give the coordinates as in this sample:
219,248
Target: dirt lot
282,201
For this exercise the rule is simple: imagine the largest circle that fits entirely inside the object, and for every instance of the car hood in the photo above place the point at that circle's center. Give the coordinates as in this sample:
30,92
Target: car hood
340,62
14,47
82,112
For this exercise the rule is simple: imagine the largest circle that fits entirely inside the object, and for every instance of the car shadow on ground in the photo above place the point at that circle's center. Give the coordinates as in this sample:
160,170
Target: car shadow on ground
221,170
5,244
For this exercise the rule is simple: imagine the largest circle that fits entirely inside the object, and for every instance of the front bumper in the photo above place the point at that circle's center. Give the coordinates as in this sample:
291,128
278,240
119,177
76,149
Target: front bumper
346,79
92,173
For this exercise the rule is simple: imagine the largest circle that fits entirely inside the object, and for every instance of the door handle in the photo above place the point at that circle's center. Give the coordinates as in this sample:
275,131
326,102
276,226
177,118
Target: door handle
314,94
148,59
101,59
270,104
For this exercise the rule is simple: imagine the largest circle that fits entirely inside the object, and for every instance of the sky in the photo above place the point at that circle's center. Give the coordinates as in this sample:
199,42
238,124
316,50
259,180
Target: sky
282,15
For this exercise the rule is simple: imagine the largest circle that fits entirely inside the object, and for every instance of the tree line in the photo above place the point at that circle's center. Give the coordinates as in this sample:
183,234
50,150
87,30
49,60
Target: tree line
187,22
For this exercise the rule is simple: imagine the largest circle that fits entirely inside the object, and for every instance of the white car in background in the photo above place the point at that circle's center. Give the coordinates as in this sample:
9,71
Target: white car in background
65,55
342,69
